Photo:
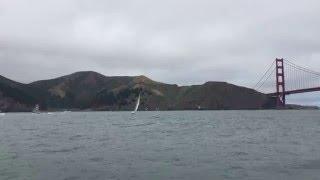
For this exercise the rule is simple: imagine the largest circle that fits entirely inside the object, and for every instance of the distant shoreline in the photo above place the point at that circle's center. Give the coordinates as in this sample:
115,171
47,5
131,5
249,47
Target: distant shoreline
284,109
91,91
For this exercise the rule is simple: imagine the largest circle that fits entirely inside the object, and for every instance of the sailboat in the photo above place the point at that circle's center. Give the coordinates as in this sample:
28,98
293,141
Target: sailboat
36,109
137,106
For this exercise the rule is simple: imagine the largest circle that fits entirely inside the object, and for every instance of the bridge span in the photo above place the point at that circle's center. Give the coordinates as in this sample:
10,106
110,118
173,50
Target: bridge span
284,78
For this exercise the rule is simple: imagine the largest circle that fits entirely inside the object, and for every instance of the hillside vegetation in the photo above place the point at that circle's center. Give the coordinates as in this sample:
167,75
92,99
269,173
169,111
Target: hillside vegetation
93,91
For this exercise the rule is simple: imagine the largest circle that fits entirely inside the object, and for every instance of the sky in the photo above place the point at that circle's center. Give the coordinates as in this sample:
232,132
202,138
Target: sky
173,41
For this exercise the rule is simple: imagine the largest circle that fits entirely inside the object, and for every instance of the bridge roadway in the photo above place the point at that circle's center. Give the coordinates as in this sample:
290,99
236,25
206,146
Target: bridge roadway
298,91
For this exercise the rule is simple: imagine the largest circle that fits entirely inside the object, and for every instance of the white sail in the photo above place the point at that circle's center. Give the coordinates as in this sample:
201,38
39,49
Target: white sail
36,109
137,105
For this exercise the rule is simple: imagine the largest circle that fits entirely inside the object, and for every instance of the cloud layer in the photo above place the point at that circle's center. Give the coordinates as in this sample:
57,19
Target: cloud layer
174,41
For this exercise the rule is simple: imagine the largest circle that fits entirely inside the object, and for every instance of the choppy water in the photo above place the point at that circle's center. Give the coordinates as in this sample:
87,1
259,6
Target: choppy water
191,145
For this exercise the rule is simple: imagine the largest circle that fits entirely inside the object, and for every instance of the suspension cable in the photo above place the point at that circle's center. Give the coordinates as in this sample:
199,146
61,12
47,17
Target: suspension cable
264,75
302,68
266,79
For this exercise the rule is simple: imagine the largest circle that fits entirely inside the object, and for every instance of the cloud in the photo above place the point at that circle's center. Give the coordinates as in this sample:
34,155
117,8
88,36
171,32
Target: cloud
180,41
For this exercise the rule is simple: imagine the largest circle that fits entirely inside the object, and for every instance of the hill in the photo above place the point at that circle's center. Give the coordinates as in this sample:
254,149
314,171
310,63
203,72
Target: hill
16,96
93,91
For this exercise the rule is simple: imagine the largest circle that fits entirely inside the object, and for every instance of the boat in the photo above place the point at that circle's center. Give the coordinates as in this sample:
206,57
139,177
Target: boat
137,106
65,111
36,109
2,114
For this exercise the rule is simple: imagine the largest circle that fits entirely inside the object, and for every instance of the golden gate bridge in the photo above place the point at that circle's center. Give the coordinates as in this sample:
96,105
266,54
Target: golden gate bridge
284,77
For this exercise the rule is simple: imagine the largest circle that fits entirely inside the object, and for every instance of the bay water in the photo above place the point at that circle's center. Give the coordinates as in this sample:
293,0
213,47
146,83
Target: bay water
190,145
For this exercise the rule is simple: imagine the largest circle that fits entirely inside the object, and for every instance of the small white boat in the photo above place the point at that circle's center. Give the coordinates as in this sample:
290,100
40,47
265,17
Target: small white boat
2,114
65,111
36,109
137,106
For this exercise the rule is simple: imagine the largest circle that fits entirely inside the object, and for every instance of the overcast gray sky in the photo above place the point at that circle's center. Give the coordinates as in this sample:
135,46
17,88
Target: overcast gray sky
173,41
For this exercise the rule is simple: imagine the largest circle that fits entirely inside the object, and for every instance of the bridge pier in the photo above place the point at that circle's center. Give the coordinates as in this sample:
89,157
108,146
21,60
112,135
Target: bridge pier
280,83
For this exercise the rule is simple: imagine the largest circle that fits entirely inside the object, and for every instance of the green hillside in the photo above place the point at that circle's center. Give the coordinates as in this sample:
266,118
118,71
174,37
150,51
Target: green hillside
94,91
